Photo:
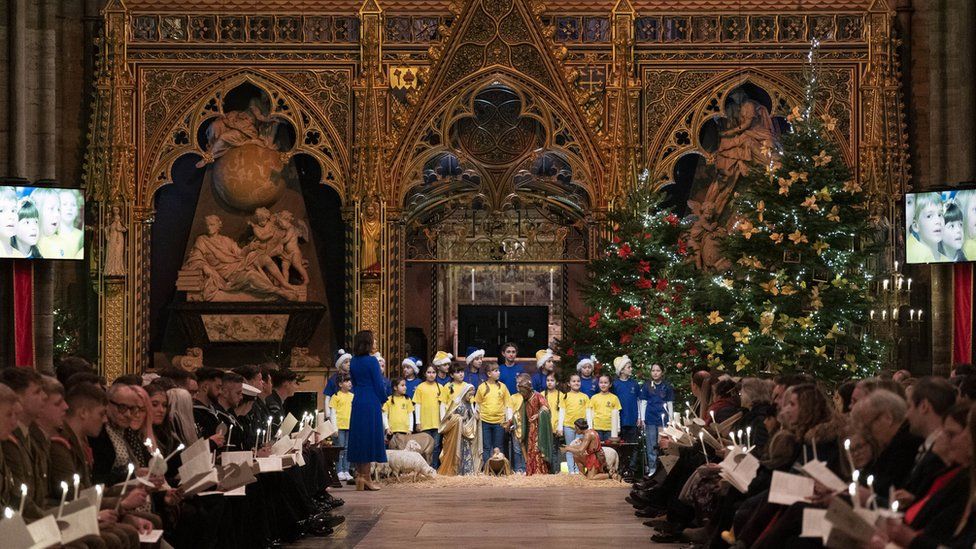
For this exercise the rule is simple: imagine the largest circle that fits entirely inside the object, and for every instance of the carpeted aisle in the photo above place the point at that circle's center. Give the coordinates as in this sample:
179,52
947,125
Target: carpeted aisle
472,512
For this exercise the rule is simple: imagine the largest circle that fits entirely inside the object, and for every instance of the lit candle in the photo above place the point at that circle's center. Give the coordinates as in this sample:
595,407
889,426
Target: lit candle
230,431
23,498
148,444
900,282
894,506
909,284
472,285
920,315
64,496
894,313
896,265
8,512
884,314
76,480
701,437
178,449
884,284
712,413
911,315
852,490
847,452
132,469
872,314
749,436
856,475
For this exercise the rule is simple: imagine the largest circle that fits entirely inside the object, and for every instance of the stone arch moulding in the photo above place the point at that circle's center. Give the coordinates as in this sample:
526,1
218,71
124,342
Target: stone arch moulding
177,136
413,152
666,148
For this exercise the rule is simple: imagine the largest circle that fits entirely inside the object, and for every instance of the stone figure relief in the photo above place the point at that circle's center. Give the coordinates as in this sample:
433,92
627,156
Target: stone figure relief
705,238
239,128
218,269
740,146
115,232
369,255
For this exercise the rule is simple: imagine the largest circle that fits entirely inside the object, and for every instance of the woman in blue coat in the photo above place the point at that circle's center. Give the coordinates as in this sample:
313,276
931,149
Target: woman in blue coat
367,438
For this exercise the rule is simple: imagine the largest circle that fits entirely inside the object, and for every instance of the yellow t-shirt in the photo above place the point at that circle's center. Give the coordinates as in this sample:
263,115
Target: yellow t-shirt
342,404
492,399
969,249
450,392
398,410
428,396
917,252
575,405
603,405
515,402
555,399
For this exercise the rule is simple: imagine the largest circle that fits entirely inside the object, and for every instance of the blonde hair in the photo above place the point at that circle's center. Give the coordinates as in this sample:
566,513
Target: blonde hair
181,415
923,201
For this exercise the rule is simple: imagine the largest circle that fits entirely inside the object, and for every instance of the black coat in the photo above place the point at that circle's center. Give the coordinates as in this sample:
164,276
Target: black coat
893,465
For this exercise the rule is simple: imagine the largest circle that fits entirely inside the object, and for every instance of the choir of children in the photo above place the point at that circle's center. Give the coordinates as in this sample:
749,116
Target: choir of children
468,404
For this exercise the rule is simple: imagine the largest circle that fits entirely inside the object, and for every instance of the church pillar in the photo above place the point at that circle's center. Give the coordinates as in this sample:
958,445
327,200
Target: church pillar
623,92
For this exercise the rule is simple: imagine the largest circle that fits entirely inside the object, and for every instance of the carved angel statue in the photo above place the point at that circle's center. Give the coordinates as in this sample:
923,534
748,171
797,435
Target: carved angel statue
300,359
191,361
289,232
706,234
115,243
237,128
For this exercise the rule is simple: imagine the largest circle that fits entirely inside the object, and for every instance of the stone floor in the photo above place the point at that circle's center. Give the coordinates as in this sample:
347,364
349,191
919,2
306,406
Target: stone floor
406,516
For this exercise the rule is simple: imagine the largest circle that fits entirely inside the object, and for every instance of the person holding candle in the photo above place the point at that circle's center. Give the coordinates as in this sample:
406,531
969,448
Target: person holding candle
655,409
230,397
18,449
944,515
366,437
340,409
205,416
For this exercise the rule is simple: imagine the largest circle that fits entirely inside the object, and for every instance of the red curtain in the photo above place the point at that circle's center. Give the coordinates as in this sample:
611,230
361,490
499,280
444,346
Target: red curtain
962,344
24,313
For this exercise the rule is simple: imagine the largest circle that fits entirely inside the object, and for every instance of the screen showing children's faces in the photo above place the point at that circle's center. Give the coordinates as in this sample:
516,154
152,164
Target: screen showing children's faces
940,227
41,223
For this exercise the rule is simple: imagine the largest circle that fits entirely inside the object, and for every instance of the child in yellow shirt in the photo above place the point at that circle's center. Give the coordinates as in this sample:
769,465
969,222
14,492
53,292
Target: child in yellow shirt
398,410
554,397
492,399
606,410
428,410
575,406
454,387
340,409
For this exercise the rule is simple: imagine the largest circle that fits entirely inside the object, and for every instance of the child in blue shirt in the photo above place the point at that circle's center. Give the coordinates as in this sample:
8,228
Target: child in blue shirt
342,368
544,361
474,359
627,390
589,385
656,405
411,369
508,370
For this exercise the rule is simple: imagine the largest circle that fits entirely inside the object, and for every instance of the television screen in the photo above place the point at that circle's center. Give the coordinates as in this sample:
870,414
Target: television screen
940,226
41,223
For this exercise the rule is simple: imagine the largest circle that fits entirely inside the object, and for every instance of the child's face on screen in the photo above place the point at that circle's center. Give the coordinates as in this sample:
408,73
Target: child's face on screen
8,218
69,208
929,224
952,235
28,231
969,215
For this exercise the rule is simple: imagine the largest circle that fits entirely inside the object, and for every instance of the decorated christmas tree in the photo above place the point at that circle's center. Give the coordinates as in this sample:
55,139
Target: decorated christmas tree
802,249
640,293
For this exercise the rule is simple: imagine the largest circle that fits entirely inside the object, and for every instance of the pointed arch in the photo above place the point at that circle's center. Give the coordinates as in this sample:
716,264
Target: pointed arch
496,40
314,133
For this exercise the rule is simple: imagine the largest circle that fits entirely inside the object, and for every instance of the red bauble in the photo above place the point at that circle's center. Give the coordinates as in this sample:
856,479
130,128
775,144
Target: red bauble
644,283
594,320
624,252
614,288
644,266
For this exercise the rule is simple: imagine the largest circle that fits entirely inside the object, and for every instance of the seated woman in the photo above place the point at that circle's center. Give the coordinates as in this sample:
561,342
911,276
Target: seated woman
588,452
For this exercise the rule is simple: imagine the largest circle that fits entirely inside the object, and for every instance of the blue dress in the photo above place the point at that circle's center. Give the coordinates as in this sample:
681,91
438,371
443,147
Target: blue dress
367,438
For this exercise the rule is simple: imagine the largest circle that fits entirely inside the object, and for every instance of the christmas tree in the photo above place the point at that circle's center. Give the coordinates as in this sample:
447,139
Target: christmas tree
802,249
640,293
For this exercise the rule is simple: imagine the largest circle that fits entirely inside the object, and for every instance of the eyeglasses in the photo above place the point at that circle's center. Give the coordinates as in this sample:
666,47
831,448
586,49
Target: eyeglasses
126,409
